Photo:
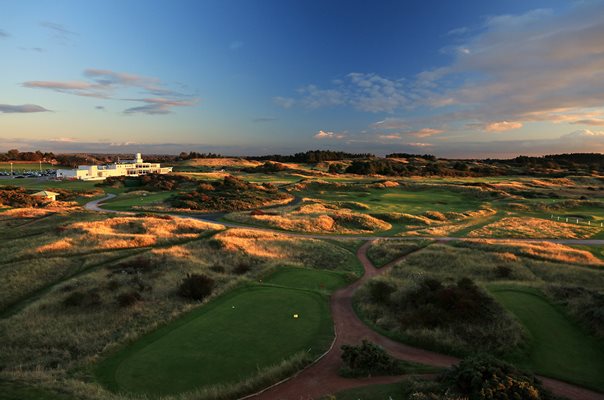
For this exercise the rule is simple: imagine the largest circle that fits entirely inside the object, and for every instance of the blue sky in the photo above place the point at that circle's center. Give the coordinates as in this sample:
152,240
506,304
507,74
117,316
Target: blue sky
457,79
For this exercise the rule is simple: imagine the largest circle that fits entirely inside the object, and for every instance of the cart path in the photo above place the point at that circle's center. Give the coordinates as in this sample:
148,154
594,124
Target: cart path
322,378
96,205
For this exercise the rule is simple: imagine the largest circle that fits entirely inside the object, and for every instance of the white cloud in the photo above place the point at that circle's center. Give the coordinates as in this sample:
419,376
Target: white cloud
390,124
584,134
416,144
284,102
537,66
392,136
502,126
426,132
328,135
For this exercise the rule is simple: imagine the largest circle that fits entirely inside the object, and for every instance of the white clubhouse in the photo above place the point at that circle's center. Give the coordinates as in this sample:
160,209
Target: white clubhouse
134,167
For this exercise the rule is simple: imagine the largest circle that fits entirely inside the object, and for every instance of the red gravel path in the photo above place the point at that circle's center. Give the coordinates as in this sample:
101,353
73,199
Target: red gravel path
322,378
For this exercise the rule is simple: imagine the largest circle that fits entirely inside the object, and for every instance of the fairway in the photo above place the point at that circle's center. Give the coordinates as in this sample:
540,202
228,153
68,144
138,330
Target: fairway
126,202
303,278
558,348
226,341
400,199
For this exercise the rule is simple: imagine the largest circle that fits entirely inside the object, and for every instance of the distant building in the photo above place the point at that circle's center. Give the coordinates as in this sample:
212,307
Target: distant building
134,167
52,196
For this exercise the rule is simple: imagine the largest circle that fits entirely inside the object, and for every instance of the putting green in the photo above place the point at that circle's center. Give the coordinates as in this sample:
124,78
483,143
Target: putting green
127,201
558,348
223,342
303,278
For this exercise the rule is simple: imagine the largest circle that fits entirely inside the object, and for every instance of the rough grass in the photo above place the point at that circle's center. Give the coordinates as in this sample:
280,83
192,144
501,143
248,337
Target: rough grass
306,252
540,250
383,251
316,218
520,227
125,232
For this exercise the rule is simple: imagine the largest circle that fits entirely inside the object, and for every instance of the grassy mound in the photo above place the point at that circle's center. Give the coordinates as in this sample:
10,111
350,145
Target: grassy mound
534,228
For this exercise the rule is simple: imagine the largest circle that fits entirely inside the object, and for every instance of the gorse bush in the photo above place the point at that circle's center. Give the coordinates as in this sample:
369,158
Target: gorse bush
484,378
457,317
368,359
196,287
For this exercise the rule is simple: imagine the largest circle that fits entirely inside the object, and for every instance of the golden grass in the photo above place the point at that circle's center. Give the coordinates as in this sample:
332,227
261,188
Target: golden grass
543,250
552,182
62,244
25,212
384,184
223,162
174,251
521,227
126,232
317,218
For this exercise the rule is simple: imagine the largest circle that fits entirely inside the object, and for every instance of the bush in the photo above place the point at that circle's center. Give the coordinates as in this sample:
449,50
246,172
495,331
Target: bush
242,268
87,299
196,287
380,291
133,266
483,377
368,359
128,299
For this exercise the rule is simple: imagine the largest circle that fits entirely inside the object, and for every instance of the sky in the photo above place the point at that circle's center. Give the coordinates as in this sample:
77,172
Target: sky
249,77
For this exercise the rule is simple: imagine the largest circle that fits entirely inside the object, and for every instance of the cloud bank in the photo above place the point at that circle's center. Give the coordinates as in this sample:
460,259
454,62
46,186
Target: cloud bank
24,108
107,84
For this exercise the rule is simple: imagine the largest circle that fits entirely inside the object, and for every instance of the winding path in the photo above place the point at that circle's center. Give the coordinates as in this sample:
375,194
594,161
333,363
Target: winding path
322,377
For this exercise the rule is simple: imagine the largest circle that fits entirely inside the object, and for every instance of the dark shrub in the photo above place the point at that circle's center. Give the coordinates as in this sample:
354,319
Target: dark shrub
503,272
368,359
242,268
380,291
133,266
87,299
196,287
217,268
484,377
128,299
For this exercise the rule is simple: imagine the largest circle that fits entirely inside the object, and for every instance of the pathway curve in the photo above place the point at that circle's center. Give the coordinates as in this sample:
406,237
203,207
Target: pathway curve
322,378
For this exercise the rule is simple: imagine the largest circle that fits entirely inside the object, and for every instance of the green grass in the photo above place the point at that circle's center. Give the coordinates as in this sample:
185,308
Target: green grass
558,347
302,278
18,391
391,391
34,166
42,184
126,201
400,199
224,342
